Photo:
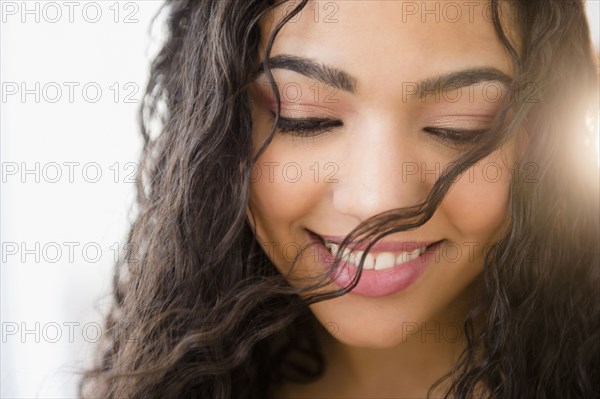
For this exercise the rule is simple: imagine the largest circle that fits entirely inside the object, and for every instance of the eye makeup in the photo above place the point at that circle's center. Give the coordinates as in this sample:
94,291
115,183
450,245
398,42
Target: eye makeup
313,127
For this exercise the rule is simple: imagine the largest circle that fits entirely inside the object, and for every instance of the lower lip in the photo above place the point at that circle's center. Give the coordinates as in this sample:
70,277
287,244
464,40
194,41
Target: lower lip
376,283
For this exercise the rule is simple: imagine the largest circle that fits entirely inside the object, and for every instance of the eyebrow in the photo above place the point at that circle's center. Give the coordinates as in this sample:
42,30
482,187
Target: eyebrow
342,80
323,73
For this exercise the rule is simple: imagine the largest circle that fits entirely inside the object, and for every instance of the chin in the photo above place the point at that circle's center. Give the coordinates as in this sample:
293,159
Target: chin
372,339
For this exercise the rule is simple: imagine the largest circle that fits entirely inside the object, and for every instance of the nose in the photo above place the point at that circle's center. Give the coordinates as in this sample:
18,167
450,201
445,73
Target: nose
378,172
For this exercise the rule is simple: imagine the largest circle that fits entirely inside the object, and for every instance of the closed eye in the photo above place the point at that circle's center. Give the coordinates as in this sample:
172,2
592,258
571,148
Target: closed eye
306,127
457,136
310,127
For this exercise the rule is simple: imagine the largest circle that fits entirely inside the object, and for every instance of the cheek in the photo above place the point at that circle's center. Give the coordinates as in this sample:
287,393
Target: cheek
283,189
477,203
282,197
287,181
278,190
269,194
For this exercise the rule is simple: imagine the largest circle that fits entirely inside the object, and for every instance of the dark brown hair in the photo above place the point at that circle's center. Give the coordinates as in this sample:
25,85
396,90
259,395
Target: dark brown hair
199,309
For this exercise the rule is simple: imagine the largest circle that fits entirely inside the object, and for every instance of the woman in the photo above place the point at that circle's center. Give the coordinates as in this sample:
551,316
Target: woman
363,199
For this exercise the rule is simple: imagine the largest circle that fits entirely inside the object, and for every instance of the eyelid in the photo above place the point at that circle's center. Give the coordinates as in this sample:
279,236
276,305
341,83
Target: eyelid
462,119
306,127
311,109
315,126
456,136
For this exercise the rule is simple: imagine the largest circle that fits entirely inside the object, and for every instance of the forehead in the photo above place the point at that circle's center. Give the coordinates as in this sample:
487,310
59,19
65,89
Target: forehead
385,41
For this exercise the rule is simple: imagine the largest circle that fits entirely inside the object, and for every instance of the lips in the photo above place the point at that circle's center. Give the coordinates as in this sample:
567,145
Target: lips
378,283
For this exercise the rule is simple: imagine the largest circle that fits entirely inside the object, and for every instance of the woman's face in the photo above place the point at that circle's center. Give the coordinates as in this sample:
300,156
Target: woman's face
382,151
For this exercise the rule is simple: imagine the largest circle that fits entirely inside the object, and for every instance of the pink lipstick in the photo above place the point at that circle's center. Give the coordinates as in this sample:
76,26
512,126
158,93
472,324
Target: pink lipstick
408,261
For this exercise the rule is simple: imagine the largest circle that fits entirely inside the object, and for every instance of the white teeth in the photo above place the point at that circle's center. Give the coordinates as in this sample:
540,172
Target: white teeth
416,253
333,248
347,253
402,258
369,261
382,261
385,260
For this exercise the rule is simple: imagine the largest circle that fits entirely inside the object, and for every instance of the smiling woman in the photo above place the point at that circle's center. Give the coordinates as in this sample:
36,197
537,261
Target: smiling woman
363,199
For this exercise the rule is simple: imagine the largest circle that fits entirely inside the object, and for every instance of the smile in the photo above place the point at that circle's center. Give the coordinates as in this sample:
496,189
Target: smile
376,261
389,266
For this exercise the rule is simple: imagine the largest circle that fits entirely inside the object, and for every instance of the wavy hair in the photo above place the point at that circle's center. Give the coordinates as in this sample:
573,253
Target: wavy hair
199,310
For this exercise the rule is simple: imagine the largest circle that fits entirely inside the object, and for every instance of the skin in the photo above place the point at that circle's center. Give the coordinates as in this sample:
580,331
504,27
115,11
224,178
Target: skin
398,345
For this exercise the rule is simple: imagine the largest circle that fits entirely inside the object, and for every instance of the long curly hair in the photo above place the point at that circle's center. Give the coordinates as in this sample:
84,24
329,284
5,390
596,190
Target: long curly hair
199,309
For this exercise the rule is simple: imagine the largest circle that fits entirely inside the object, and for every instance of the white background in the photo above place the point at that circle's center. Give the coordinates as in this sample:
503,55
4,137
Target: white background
96,132
65,223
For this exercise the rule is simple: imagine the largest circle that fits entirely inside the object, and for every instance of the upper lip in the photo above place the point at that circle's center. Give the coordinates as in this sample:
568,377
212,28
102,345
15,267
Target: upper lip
380,246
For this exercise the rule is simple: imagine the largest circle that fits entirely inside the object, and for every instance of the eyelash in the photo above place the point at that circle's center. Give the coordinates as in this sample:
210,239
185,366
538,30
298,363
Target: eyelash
307,127
457,136
312,127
